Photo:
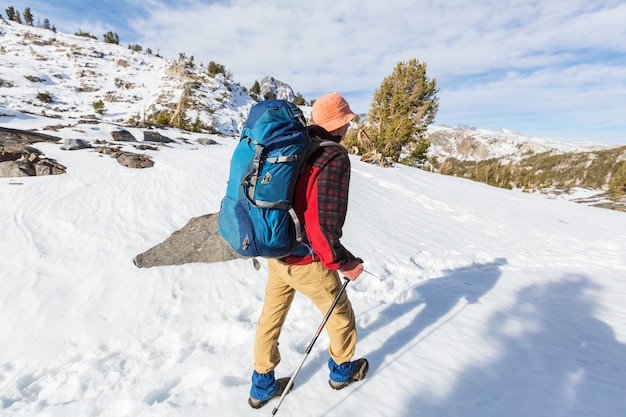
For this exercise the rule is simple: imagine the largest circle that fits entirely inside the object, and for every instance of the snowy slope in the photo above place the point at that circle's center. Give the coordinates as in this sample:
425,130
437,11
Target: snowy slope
77,71
485,302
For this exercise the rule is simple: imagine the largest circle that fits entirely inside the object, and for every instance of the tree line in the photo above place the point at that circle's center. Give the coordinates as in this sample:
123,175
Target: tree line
602,169
27,18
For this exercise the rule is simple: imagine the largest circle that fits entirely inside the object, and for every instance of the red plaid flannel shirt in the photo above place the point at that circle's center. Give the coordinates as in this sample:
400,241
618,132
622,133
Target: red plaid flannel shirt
321,202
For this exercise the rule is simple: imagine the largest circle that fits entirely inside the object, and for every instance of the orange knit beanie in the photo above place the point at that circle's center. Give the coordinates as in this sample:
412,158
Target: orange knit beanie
332,111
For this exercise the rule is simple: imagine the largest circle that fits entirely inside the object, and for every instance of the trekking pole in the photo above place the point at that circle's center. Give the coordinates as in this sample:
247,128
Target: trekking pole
308,349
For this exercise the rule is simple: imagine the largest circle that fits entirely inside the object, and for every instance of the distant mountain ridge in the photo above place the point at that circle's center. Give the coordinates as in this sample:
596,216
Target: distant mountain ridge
510,160
474,144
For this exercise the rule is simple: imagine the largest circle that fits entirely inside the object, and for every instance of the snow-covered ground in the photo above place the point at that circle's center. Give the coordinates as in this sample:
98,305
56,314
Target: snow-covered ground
62,75
479,302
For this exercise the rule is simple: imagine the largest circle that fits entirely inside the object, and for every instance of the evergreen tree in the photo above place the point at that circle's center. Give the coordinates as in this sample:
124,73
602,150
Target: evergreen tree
10,13
256,88
14,14
111,37
85,34
401,110
299,100
28,16
46,23
215,68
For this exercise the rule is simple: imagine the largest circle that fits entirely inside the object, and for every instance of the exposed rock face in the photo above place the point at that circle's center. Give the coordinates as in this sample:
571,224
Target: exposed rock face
282,91
25,137
17,159
472,149
198,241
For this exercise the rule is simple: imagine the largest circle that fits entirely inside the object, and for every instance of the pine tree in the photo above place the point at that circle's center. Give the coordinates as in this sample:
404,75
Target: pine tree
299,100
10,13
214,68
14,14
28,16
46,23
256,88
401,110
111,37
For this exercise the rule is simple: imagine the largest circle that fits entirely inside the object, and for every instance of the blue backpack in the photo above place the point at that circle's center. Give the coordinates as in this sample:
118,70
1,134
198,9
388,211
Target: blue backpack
256,215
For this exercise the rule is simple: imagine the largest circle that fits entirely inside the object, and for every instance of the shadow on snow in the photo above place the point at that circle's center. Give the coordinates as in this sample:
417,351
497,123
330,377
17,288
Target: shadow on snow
563,362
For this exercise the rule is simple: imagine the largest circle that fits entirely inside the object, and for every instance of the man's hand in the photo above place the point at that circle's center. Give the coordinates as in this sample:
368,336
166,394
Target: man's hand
352,271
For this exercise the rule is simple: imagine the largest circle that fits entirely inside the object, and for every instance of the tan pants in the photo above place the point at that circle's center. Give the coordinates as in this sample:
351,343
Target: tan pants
321,286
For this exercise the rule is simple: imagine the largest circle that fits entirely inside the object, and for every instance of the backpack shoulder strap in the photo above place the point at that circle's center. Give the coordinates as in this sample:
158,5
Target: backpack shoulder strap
319,138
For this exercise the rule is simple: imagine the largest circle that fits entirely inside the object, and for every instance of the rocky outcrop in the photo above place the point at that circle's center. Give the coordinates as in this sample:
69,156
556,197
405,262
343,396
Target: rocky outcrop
18,159
125,158
30,168
198,241
25,137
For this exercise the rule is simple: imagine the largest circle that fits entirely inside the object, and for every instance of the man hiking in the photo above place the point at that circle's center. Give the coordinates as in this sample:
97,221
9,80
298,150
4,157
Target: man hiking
320,201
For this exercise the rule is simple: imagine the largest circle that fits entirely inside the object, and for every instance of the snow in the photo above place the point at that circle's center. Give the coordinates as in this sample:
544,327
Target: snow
478,301
78,71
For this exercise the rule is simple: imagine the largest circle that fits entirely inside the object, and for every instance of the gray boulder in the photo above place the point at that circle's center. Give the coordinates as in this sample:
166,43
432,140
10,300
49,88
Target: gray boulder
198,241
11,169
150,136
134,160
75,144
206,141
123,136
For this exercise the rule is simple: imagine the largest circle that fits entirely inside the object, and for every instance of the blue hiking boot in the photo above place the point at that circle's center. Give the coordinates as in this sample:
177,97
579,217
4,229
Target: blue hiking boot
265,387
343,375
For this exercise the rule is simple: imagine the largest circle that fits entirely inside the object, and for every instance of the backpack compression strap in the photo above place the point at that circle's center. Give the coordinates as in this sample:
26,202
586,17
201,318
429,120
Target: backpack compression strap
250,180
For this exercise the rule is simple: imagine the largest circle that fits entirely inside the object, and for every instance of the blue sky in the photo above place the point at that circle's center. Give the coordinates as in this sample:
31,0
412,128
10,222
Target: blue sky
552,69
